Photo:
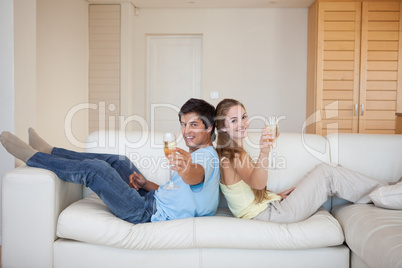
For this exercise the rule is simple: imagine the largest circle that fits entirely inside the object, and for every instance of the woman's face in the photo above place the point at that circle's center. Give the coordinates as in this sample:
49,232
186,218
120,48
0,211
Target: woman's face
236,123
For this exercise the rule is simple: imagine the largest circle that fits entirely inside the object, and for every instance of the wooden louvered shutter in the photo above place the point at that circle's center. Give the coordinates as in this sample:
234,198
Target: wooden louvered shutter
380,66
338,61
104,66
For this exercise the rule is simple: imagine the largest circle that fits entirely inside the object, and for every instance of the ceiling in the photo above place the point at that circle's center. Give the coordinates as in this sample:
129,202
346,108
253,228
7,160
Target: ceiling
211,3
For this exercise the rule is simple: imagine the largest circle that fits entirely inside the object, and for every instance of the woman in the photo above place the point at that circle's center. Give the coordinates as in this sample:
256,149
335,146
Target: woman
243,182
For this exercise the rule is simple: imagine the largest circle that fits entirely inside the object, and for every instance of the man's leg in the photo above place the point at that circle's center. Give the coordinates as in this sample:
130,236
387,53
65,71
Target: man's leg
17,147
125,202
100,177
120,163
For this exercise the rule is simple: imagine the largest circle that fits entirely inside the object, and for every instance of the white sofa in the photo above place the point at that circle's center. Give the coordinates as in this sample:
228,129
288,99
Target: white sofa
373,234
51,223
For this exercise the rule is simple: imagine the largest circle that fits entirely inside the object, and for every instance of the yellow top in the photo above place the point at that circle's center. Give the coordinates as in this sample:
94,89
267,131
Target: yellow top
241,200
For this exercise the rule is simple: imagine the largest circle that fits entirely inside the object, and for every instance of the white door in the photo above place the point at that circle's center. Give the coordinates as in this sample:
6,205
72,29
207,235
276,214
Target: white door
173,77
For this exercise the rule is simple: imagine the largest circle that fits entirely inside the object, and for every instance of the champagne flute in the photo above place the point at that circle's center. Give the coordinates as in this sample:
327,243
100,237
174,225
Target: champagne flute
169,143
272,123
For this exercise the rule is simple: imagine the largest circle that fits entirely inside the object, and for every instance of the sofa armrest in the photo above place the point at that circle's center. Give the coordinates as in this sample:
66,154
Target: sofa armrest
32,199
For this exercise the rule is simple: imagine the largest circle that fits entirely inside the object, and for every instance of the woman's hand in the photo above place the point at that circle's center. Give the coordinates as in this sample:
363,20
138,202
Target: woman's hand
266,137
137,181
286,193
264,140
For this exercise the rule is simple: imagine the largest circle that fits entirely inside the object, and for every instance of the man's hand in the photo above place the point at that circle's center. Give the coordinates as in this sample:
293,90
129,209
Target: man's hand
181,162
137,181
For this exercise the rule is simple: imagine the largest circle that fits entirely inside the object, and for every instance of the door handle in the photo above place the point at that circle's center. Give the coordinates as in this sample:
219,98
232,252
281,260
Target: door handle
362,109
356,109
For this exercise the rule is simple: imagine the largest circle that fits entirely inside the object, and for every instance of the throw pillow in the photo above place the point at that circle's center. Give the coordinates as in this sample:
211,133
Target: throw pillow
388,196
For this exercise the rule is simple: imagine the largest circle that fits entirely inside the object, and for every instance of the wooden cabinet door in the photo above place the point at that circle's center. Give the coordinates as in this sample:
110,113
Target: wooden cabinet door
338,62
380,72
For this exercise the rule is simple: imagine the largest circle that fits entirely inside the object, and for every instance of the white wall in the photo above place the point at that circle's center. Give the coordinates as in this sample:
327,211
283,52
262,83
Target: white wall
258,56
6,81
43,70
25,67
62,70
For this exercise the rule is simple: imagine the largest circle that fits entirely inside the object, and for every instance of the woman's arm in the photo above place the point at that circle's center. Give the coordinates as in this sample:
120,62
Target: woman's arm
228,175
286,193
256,176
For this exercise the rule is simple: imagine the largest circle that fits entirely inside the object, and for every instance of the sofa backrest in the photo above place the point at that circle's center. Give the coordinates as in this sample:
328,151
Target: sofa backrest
295,155
144,149
375,155
379,156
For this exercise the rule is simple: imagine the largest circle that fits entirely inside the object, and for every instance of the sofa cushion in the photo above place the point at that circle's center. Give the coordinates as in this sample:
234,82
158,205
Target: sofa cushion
388,196
90,221
373,234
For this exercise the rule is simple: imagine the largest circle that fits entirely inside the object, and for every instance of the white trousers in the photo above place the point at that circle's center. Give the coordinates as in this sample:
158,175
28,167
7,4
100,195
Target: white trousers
315,188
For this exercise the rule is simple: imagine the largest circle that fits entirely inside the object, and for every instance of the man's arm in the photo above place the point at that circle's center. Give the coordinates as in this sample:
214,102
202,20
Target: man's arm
137,181
190,172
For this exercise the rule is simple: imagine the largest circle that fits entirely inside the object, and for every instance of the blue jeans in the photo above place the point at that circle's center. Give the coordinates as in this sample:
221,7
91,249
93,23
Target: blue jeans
105,174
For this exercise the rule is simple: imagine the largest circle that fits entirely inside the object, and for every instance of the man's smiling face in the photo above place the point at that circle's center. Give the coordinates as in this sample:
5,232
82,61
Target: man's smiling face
194,132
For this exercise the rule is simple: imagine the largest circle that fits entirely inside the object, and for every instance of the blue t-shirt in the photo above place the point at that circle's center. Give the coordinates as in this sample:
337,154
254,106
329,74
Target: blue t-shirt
191,200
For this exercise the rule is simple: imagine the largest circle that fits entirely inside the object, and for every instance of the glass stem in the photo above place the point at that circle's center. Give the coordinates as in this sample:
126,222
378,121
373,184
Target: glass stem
271,158
170,176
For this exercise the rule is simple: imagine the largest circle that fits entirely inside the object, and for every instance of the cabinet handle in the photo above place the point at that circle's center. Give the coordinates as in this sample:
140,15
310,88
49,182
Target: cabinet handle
356,109
362,109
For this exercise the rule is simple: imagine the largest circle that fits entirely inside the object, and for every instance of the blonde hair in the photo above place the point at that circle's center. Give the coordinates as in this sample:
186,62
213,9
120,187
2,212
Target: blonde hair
227,147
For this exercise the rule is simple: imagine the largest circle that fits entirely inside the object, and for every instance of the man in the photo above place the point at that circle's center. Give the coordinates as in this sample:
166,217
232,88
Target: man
197,170
110,176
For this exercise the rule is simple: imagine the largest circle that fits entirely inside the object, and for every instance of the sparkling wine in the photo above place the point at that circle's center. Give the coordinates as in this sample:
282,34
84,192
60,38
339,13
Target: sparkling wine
274,130
168,147
169,143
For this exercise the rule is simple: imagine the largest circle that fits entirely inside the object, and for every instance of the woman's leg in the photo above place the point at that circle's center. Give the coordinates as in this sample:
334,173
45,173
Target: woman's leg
323,181
125,202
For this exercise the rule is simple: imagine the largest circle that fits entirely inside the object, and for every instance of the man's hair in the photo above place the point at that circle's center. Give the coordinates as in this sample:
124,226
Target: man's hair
204,110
